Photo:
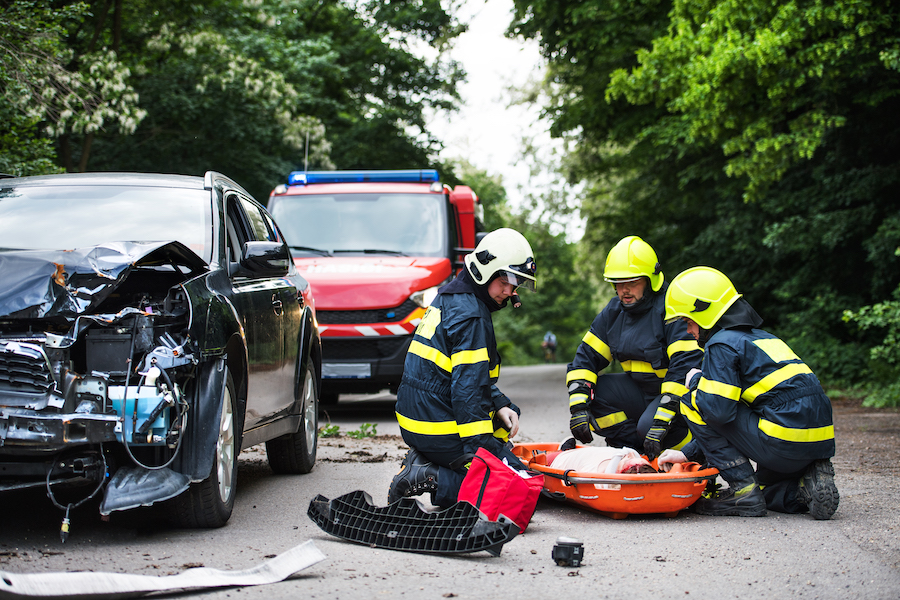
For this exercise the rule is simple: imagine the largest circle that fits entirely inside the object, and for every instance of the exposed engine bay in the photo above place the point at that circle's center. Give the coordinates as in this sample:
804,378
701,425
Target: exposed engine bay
96,361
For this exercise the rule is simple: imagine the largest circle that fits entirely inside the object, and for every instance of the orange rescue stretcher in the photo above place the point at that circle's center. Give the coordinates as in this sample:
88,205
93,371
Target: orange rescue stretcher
618,495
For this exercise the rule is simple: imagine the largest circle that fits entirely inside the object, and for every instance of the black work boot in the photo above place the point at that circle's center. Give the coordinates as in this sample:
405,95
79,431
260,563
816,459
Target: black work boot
417,475
817,489
742,499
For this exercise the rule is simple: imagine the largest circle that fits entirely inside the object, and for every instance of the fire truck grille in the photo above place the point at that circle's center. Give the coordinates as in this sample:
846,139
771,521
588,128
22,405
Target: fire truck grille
363,348
356,317
23,369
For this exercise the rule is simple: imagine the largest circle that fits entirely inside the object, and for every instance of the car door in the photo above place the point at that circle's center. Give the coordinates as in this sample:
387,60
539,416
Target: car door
260,301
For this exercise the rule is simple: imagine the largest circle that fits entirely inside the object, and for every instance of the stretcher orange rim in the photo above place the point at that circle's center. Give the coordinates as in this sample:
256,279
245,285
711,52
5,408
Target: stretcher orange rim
645,493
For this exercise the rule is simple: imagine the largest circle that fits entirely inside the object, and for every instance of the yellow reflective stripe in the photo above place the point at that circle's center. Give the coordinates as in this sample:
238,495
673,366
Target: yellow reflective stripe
610,420
691,415
585,374
639,366
501,434
682,346
431,354
427,427
444,427
469,357
674,388
774,378
776,349
719,389
577,399
475,428
664,414
815,434
599,346
683,442
495,372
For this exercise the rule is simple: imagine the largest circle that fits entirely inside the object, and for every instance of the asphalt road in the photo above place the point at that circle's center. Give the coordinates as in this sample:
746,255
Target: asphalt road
854,555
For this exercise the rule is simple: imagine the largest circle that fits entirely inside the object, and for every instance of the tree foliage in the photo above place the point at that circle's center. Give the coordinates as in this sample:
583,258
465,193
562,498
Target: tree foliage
252,88
760,137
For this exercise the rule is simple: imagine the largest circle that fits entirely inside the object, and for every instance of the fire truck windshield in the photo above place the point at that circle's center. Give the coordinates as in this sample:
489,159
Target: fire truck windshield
404,224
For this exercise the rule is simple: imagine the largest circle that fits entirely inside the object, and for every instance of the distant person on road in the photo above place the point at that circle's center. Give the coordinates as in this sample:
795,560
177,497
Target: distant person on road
637,408
448,405
549,346
754,400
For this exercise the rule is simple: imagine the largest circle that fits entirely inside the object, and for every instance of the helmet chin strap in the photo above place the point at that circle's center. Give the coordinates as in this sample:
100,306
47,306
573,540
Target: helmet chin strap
705,334
516,301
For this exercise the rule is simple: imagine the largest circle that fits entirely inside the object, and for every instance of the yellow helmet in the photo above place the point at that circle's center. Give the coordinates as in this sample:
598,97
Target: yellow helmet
701,294
630,259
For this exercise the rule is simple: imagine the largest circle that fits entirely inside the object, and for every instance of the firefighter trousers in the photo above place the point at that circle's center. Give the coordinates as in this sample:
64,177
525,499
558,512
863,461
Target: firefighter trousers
625,414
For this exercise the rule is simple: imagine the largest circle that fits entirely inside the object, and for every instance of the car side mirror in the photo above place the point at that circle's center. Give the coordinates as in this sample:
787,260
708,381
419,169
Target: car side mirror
264,259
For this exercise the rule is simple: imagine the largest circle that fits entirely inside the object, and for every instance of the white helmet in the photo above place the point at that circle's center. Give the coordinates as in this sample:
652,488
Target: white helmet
504,251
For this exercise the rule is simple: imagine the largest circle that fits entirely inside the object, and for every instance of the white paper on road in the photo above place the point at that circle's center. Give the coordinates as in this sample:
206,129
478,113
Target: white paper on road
87,585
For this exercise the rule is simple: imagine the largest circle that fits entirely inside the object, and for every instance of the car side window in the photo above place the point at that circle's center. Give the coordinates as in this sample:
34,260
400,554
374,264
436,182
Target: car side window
236,228
261,230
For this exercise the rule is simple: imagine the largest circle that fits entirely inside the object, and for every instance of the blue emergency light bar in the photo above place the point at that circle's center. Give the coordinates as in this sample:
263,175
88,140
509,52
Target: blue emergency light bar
395,176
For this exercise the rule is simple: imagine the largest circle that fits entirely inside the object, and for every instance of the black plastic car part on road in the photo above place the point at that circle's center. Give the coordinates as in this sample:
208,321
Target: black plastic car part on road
151,326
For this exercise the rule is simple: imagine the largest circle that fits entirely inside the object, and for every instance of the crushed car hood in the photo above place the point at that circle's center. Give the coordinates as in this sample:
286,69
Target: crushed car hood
66,283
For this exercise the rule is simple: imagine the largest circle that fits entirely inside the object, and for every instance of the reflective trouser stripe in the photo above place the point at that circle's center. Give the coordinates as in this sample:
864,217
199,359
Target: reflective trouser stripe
610,420
790,434
444,427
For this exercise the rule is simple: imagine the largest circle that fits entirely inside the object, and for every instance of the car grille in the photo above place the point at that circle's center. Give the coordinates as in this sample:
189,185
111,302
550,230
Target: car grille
24,368
363,348
378,315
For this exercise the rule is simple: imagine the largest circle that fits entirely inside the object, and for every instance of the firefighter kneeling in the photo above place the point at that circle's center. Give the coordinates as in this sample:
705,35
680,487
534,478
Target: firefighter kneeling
448,405
755,399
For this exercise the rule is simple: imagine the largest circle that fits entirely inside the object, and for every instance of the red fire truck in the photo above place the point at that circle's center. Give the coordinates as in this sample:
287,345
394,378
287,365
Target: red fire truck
375,247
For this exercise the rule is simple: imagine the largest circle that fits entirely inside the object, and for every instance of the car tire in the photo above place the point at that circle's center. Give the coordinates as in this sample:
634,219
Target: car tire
209,503
295,453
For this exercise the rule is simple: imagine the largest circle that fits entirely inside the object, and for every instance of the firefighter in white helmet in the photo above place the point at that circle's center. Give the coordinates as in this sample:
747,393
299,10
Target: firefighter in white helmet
448,405
638,408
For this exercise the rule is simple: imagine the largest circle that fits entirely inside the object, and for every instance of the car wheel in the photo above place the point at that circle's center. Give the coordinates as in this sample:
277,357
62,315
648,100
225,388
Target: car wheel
209,503
295,453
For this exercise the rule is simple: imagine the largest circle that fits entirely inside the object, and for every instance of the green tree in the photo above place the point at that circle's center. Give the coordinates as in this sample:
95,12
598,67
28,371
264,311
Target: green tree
42,97
257,89
758,137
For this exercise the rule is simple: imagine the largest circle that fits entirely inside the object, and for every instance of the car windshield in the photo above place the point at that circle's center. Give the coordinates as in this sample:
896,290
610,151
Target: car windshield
81,216
405,224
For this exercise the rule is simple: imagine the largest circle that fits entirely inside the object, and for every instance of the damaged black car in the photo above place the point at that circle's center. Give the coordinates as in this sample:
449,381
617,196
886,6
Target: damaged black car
151,327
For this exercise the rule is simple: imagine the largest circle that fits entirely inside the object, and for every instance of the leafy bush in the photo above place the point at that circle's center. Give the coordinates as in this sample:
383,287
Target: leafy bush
884,363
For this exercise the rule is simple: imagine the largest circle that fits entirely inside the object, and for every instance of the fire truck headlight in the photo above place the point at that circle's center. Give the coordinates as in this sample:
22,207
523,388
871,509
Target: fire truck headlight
424,298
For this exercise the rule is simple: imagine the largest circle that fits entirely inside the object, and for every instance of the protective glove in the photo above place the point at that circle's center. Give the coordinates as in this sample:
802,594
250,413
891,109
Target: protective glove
662,421
669,458
581,420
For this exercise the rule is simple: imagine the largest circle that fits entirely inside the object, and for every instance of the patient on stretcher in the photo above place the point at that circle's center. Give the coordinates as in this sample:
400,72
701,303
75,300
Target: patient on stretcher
591,459
602,460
